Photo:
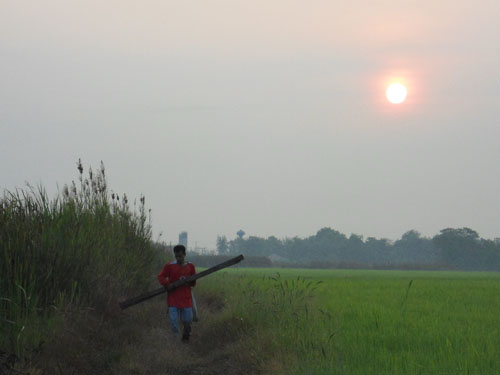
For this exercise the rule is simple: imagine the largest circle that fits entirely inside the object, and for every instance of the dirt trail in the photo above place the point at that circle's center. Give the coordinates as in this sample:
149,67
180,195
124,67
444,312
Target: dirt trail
215,346
138,341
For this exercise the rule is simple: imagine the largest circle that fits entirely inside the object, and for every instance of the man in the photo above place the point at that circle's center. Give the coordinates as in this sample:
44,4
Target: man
180,301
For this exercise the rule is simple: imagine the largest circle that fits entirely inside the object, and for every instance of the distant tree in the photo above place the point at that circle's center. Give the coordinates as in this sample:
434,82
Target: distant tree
378,251
412,236
413,248
222,245
356,239
293,249
490,255
274,246
240,233
237,246
255,246
355,248
456,248
328,244
459,247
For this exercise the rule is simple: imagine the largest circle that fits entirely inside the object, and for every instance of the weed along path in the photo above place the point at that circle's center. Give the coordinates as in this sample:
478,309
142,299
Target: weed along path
138,341
216,345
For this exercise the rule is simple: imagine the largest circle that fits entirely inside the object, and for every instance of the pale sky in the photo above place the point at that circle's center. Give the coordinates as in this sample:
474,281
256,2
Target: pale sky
267,116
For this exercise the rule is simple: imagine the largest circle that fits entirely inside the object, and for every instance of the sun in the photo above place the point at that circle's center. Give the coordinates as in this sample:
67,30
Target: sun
396,93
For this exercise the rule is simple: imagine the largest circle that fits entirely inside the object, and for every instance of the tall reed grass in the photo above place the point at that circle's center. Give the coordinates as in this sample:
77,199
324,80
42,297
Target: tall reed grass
85,247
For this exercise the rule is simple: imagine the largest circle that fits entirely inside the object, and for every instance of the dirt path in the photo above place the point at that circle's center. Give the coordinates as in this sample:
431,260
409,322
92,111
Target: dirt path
216,347
138,341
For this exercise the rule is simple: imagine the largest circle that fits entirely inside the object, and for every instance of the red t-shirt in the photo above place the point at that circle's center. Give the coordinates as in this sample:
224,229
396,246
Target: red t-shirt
171,272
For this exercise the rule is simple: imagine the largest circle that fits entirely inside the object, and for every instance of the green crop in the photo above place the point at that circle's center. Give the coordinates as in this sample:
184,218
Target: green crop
369,322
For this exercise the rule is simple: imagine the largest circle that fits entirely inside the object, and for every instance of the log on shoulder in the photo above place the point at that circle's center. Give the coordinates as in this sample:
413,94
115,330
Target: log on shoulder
170,287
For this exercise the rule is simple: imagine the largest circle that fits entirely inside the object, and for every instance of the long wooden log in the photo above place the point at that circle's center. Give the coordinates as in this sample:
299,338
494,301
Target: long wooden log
170,287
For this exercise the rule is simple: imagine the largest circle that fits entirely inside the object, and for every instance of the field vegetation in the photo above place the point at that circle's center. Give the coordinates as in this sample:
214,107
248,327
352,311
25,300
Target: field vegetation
368,322
78,251
67,261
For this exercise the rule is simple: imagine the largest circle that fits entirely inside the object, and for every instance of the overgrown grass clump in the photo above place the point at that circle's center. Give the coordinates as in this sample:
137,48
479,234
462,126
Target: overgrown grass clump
84,248
278,317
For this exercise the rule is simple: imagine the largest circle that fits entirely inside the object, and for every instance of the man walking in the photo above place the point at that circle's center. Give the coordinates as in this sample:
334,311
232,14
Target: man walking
179,300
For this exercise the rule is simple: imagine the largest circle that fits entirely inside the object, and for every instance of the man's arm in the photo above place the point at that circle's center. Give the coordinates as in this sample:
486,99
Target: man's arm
163,276
193,272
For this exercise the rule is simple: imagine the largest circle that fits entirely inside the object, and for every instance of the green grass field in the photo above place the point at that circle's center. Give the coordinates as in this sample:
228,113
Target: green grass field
368,322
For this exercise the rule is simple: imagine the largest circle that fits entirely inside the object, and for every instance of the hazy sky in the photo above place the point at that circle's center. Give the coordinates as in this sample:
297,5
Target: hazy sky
267,116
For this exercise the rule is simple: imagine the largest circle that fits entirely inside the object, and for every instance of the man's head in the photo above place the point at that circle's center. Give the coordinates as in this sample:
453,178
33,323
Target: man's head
180,253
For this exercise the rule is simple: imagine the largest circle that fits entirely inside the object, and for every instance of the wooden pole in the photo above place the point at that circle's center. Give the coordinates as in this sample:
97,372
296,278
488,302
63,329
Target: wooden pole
170,287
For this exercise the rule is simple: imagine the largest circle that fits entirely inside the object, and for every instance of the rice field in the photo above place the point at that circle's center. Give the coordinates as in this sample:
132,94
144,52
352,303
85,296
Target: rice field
368,322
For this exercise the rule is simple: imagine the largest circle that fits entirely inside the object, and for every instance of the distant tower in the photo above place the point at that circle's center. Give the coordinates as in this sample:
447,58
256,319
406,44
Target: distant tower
240,233
183,239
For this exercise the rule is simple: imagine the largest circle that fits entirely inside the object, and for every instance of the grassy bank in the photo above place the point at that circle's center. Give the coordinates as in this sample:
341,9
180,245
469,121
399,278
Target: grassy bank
78,251
368,322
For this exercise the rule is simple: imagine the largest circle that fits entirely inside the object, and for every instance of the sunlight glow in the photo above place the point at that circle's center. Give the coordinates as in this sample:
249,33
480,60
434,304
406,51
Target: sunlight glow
396,93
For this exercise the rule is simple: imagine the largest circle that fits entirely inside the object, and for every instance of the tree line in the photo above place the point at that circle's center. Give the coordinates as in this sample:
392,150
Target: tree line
451,248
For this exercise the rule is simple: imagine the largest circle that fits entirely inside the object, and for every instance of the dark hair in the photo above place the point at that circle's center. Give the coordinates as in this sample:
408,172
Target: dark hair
179,248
